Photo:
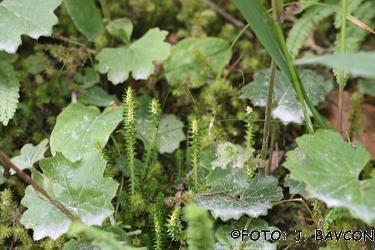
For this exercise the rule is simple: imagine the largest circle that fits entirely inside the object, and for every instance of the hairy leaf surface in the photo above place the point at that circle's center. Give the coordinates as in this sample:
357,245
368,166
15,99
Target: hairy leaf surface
34,18
287,107
227,236
227,153
330,167
240,197
79,186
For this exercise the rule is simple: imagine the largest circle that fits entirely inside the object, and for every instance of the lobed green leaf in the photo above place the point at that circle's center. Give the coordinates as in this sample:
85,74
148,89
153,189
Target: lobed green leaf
34,18
286,106
330,167
136,57
29,155
232,199
79,186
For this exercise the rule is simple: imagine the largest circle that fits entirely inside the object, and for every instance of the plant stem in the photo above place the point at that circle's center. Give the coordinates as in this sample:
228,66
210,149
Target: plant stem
267,118
245,228
195,147
220,71
301,93
266,133
273,134
28,179
306,206
104,5
341,72
230,18
130,131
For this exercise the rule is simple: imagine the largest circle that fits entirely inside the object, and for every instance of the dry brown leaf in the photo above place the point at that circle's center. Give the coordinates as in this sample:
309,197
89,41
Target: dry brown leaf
277,155
368,121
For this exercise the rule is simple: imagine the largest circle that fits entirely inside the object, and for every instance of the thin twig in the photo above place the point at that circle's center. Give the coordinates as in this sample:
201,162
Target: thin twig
181,186
246,227
28,179
232,67
231,19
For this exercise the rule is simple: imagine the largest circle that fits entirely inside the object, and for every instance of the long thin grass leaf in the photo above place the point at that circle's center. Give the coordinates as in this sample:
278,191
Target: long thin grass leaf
264,28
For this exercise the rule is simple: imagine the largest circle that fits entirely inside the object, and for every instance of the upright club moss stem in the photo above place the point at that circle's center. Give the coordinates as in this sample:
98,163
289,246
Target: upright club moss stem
129,127
155,118
195,146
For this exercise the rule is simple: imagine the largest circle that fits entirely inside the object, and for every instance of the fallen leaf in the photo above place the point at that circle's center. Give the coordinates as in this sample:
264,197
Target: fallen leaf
368,121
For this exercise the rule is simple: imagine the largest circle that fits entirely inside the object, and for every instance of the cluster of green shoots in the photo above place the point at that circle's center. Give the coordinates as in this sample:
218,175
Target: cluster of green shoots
137,196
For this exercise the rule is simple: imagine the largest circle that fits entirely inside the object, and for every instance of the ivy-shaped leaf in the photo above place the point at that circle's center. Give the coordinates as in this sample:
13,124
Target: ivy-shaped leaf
29,155
78,128
136,57
227,236
232,199
288,108
79,186
34,18
9,87
86,17
194,60
227,153
330,167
